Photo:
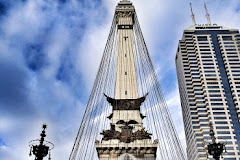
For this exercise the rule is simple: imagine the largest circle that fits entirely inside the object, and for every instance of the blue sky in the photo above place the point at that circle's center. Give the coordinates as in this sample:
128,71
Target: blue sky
49,55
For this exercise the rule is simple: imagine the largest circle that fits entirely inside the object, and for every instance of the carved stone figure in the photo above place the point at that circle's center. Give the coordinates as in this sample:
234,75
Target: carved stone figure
111,134
142,134
126,135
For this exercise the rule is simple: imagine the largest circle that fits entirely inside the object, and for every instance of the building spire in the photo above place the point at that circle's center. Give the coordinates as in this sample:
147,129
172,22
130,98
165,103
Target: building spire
193,17
208,16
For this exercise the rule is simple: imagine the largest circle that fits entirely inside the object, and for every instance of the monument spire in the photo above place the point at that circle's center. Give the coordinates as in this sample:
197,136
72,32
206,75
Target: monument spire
125,119
126,122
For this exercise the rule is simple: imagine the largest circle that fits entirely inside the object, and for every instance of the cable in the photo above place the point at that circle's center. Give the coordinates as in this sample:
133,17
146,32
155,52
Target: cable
158,119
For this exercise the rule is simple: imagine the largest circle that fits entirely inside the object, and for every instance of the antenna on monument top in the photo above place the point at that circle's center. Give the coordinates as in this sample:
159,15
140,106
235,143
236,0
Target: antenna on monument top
193,17
208,16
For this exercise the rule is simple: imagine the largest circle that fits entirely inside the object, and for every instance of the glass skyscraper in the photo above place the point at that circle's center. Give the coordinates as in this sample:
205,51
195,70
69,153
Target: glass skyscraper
208,70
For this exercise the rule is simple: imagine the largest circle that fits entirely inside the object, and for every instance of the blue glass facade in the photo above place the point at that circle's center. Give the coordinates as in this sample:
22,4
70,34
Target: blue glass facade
208,70
232,109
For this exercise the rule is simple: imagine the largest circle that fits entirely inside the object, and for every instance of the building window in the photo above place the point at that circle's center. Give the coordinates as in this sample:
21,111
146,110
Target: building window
216,104
222,127
206,57
209,71
230,49
221,122
217,108
223,132
208,67
213,91
220,118
227,38
230,153
219,113
210,75
208,63
224,137
215,95
215,99
202,38
212,82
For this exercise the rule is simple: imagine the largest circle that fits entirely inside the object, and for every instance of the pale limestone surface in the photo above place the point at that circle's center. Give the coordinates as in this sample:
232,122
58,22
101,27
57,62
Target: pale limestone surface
126,88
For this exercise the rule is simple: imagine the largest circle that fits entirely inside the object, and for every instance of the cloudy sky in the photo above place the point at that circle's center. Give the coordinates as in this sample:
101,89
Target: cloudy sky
49,55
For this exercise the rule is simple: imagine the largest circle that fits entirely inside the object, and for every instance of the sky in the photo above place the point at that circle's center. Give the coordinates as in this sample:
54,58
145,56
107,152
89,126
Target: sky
50,51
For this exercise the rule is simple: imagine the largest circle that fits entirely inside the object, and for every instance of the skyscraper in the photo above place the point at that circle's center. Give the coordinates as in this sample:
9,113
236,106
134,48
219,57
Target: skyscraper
208,71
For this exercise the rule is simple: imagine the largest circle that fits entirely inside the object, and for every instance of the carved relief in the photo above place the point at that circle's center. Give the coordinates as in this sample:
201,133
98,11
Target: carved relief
130,151
142,134
124,14
111,134
126,104
126,135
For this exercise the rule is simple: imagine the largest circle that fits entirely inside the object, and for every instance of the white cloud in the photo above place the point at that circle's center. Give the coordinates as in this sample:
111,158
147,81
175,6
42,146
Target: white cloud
83,32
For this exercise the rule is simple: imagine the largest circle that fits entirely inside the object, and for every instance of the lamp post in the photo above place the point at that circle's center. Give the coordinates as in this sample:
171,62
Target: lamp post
43,149
215,149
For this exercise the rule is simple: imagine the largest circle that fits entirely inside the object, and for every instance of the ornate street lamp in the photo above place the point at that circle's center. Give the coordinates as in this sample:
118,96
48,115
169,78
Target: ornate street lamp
40,151
215,149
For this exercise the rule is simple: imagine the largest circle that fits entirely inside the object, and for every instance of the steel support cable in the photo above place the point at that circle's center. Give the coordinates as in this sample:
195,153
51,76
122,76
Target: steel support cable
143,85
96,104
93,111
95,130
165,104
100,97
86,132
146,48
81,129
149,96
142,67
107,89
150,83
138,70
139,59
174,141
146,76
158,125
88,108
155,115
113,70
